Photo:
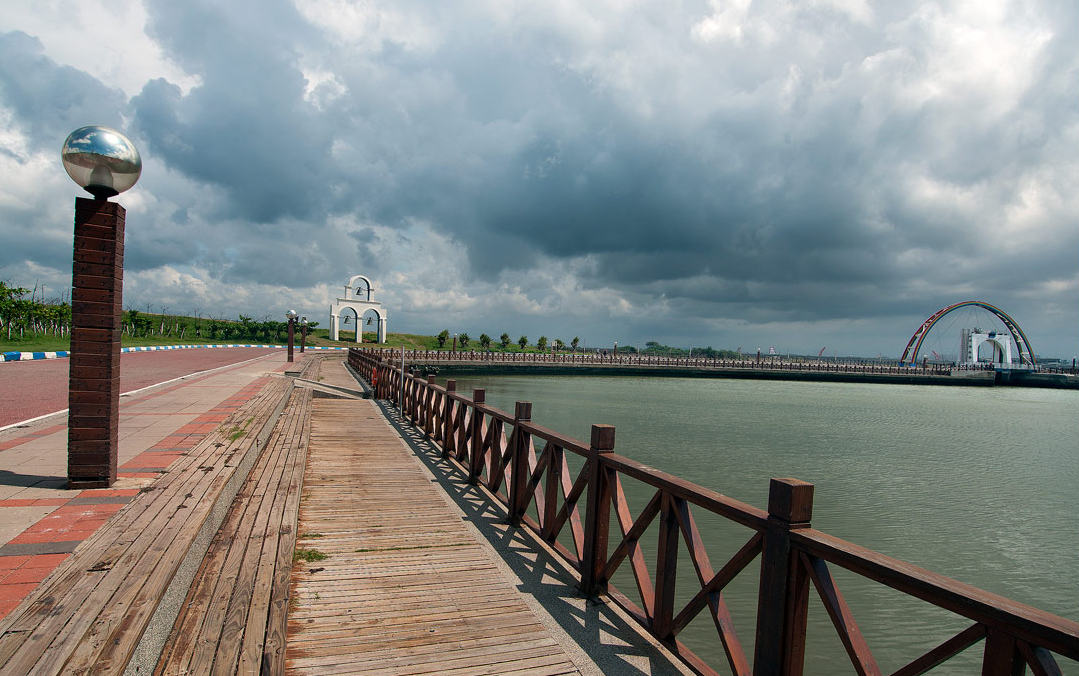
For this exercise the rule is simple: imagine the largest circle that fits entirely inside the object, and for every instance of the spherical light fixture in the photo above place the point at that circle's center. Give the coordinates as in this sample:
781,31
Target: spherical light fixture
101,160
290,315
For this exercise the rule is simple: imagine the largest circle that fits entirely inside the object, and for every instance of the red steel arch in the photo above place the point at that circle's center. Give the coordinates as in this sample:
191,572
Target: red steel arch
1026,354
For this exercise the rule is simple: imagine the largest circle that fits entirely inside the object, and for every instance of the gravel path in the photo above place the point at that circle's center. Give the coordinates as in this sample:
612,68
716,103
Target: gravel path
32,388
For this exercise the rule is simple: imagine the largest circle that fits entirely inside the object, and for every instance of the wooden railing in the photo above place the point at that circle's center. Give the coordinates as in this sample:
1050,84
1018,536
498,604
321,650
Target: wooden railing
526,467
764,363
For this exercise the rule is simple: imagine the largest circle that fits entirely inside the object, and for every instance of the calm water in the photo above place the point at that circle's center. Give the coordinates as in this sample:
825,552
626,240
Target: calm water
979,484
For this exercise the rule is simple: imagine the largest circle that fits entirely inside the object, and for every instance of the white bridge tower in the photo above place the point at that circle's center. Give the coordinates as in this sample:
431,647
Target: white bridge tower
974,339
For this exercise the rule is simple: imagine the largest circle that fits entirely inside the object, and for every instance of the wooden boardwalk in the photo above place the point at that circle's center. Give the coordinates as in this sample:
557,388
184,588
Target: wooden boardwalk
404,588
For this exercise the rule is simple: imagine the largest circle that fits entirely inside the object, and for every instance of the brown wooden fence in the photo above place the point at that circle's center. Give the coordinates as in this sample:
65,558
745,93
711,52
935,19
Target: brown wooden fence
525,466
764,363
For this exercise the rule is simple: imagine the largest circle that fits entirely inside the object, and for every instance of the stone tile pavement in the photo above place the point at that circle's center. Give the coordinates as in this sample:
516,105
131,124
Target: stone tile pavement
41,521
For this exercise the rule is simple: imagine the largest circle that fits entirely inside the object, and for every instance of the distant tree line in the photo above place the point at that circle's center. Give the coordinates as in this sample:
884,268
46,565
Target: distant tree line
36,314
26,312
652,347
543,344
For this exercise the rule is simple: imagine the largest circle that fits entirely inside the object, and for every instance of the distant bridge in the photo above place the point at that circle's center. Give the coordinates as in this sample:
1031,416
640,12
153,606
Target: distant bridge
1026,354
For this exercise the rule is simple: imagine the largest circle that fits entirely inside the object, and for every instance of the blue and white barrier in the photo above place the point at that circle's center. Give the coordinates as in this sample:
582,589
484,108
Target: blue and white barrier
29,356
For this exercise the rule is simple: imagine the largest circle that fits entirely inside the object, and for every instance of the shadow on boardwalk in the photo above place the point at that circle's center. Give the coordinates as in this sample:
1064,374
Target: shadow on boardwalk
599,630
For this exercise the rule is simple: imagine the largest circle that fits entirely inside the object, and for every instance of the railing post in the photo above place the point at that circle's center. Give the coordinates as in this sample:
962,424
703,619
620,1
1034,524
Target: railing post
411,390
449,436
479,396
519,474
783,601
666,568
1002,656
429,405
598,518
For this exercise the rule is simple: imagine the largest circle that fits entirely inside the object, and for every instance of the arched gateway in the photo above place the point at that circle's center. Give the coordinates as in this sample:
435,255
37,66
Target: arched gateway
973,339
357,300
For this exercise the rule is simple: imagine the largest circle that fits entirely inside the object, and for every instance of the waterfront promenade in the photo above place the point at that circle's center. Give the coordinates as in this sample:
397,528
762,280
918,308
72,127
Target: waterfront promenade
167,573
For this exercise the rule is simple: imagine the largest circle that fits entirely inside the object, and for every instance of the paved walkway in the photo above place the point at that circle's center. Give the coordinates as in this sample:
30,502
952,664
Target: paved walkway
41,522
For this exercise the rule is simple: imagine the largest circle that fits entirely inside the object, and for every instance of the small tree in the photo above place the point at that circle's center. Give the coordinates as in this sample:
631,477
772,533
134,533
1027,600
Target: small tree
485,341
541,344
523,342
574,343
462,338
248,328
559,345
131,319
442,338
505,340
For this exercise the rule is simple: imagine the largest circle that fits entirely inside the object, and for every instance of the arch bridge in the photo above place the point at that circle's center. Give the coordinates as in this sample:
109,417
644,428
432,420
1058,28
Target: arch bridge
1022,345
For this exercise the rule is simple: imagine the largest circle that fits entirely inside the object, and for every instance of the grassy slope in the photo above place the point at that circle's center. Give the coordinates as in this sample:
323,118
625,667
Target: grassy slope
319,337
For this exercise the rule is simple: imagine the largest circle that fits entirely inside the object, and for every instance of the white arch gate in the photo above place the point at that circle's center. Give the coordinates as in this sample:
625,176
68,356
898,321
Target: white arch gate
359,299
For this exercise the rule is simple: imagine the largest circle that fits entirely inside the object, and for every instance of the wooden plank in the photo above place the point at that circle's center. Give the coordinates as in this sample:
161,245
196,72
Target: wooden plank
257,617
195,636
223,611
274,648
405,589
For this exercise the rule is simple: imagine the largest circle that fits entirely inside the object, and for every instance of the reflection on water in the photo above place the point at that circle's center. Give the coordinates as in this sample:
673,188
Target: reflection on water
978,484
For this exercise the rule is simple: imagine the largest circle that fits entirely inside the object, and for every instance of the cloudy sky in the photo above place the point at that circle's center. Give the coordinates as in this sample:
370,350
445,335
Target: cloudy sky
744,173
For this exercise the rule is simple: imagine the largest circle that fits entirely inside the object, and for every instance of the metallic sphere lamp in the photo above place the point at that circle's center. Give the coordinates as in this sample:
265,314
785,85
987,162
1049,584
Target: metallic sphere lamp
101,160
290,315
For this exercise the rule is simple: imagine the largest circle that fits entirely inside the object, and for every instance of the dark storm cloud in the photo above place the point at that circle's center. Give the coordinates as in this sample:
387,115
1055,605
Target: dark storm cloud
246,127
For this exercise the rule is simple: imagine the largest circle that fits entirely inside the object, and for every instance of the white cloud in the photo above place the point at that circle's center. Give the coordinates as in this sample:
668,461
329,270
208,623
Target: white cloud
728,21
105,38
366,26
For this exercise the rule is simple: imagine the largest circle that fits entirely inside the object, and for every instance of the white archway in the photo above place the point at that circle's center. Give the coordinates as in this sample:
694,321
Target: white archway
359,304
973,341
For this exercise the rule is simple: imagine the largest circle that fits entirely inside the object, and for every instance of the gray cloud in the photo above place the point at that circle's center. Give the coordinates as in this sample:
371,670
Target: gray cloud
783,168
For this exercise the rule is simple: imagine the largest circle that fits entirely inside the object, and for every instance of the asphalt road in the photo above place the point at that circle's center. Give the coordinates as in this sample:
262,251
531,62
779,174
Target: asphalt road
29,389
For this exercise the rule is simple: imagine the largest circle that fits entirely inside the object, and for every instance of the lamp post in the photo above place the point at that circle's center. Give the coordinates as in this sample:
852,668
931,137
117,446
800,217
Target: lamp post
291,317
303,334
104,163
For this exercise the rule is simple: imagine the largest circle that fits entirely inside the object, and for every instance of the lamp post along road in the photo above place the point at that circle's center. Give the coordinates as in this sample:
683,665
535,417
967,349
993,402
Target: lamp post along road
291,316
303,334
105,163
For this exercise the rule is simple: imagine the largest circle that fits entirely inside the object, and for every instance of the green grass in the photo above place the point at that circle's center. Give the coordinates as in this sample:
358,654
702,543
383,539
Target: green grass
316,338
308,555
33,344
40,343
239,431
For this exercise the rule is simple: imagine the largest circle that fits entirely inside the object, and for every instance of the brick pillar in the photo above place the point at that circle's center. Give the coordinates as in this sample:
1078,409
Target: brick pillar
94,368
